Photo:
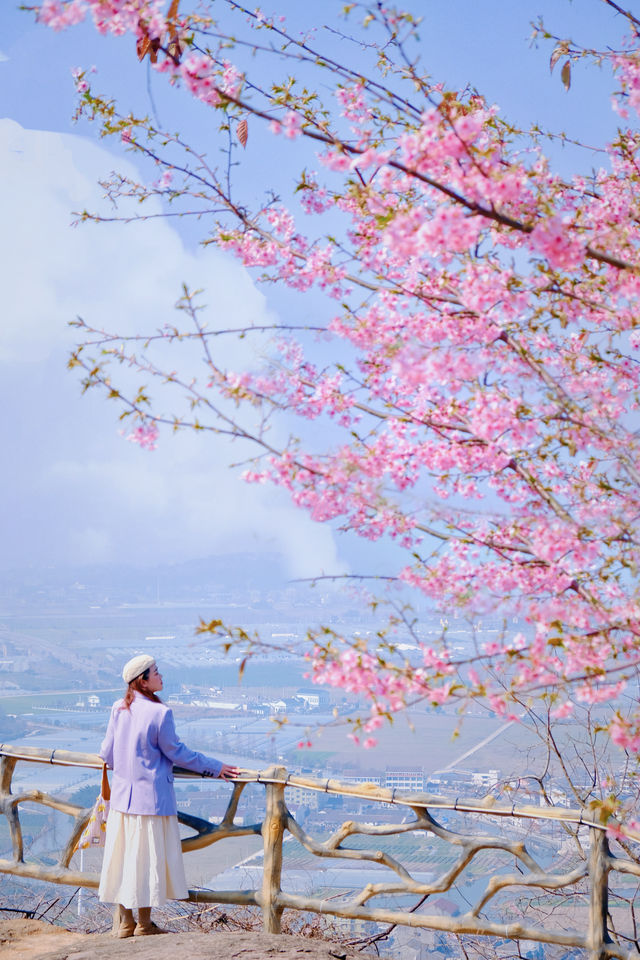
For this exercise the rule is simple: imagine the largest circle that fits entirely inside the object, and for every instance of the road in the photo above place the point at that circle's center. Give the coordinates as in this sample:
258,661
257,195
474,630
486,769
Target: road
478,746
57,693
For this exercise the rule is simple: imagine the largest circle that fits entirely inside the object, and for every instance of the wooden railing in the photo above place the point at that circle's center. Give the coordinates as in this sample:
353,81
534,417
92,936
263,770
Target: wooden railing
590,876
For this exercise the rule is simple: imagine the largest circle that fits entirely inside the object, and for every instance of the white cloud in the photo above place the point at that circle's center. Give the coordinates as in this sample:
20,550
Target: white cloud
74,489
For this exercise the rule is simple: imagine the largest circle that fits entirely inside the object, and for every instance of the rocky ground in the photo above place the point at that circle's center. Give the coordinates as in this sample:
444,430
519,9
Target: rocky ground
36,940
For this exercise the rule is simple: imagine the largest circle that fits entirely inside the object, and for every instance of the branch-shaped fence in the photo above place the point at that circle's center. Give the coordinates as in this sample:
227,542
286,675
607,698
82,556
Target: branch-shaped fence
591,877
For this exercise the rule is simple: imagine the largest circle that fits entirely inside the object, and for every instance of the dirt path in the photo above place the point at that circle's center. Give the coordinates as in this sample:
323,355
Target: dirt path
25,939
35,940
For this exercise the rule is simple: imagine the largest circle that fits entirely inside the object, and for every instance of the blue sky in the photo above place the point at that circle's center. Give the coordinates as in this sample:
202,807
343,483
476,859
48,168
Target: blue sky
73,490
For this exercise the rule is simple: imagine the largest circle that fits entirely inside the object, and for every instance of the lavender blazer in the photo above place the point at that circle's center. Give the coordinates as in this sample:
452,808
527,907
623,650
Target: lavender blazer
141,747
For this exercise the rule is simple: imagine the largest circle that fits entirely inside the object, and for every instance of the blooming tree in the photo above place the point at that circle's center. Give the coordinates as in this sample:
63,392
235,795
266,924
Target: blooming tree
479,369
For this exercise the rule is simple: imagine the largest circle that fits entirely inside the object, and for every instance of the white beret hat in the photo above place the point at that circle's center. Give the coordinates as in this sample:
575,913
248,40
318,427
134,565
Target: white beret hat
137,665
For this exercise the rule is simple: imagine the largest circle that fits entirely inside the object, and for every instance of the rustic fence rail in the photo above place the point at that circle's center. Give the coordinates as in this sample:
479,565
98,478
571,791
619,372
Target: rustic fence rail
592,875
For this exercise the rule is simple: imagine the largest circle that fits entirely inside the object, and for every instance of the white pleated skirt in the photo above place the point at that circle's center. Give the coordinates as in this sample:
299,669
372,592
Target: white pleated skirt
142,864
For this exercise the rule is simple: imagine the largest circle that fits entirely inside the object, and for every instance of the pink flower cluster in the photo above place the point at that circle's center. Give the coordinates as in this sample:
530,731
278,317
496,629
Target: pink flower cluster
556,241
59,14
352,101
109,16
200,77
290,125
628,69
145,435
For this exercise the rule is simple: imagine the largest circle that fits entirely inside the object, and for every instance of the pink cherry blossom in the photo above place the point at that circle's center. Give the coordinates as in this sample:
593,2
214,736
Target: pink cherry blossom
145,435
59,14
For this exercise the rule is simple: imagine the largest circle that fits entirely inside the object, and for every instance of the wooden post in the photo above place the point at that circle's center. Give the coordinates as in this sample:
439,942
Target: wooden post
599,866
272,835
10,809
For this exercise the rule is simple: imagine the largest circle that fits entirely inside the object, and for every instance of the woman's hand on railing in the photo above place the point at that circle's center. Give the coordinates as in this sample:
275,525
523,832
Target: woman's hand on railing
228,773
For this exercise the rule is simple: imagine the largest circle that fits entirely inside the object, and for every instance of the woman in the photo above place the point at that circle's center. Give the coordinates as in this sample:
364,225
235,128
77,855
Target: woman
142,865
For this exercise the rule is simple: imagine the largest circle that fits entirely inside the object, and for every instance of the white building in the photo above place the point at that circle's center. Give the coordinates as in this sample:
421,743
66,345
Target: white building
298,796
404,778
277,706
486,778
